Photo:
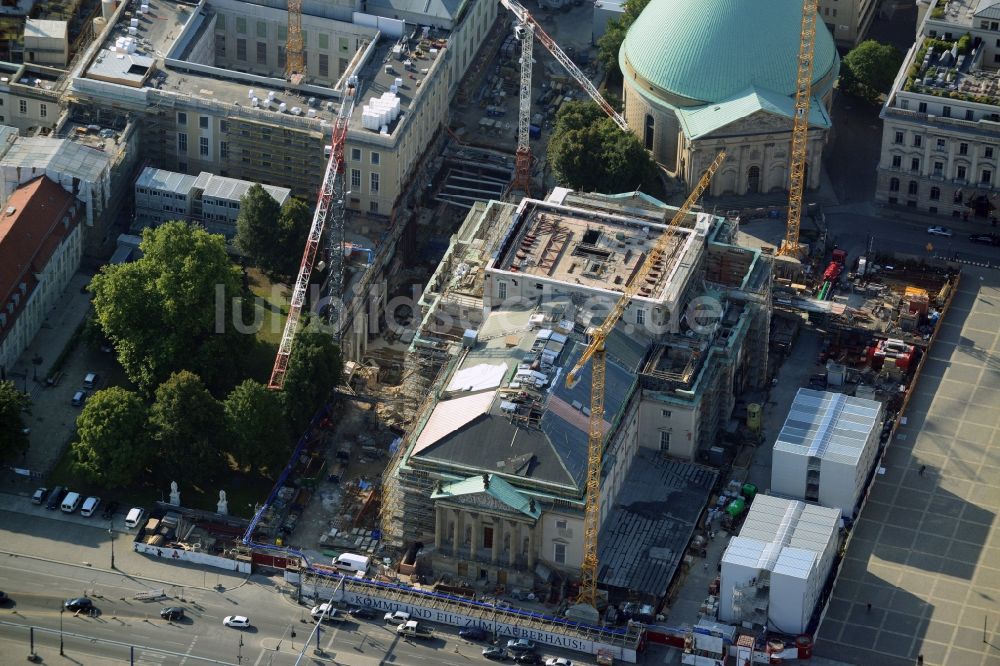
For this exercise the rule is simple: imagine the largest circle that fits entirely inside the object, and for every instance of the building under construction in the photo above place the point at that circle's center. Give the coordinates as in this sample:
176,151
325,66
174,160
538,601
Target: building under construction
492,469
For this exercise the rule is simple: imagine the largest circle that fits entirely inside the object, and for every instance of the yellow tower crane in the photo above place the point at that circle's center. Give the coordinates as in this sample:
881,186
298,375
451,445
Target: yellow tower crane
800,127
595,352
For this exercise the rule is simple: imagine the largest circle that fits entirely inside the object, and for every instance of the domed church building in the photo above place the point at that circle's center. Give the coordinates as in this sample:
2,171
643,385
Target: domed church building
703,75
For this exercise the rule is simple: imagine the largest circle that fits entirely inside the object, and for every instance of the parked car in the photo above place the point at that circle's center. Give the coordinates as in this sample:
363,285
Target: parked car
363,613
172,613
529,658
520,645
985,239
79,398
396,617
236,621
3,598
558,661
474,634
39,495
495,653
414,629
90,506
78,604
327,613
940,231
110,509
55,498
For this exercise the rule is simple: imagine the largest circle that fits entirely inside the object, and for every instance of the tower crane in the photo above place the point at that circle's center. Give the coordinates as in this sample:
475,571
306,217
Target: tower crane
295,61
800,127
527,30
595,352
329,206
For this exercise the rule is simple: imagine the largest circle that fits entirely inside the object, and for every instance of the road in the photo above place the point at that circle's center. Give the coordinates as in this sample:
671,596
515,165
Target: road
37,589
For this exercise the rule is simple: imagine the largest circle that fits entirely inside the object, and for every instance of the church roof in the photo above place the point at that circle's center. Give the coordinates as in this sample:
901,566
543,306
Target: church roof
709,50
495,487
703,120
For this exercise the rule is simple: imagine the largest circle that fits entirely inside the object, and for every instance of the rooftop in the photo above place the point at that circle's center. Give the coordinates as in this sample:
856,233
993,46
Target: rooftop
45,29
830,426
597,250
506,409
964,13
645,534
57,155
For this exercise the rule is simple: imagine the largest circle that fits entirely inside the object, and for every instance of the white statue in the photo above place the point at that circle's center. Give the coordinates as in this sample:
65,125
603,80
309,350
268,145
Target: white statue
223,506
175,495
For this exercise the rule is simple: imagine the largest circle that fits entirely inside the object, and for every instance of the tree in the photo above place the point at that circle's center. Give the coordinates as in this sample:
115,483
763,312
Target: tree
272,235
173,309
113,445
610,43
256,427
13,438
313,370
869,70
188,429
589,152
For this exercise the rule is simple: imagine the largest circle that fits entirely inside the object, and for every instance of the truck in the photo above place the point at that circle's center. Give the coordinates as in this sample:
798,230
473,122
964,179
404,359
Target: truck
328,614
352,563
413,629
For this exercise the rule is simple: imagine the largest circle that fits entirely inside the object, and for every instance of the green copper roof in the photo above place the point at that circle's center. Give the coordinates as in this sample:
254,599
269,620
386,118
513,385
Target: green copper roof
495,487
702,120
711,50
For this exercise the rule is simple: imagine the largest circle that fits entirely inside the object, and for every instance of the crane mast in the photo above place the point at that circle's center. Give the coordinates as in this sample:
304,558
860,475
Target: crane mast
596,354
800,127
329,205
522,165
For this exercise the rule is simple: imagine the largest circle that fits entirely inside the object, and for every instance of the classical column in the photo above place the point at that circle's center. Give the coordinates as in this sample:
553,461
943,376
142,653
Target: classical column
476,530
459,531
531,546
439,518
497,539
515,542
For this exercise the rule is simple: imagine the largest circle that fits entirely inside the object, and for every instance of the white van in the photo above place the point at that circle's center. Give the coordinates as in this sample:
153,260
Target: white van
352,563
89,506
133,518
70,502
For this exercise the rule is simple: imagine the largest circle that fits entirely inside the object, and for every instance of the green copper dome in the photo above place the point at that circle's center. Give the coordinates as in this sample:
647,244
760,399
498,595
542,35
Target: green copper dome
691,52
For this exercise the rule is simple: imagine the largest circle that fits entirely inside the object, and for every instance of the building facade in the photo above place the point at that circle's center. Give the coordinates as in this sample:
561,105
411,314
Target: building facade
848,20
711,82
941,120
41,245
46,42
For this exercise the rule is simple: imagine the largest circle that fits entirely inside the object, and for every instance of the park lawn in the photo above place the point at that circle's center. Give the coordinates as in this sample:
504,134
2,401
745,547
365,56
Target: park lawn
271,311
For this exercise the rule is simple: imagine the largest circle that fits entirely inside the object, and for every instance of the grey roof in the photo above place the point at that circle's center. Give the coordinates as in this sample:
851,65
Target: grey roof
133,67
828,425
232,189
165,181
643,538
60,155
440,9
44,28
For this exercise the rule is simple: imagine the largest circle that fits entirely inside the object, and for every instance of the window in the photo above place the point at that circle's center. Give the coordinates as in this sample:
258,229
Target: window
220,46
666,413
915,164
223,150
969,115
43,110
648,133
182,118
374,183
241,25
894,185
224,126
988,152
220,22
373,207
324,64
261,29
946,111
355,154
986,177
912,188
344,44
241,49
640,316
376,158
963,149
559,553
922,107
182,142
561,524
282,33
502,290
960,172
203,146
940,144
917,141
261,53
897,161
23,106
664,440
324,40
355,179
898,138
935,193
203,122
939,169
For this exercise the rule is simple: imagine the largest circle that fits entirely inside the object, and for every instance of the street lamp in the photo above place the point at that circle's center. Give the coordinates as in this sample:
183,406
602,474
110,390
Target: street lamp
111,535
61,611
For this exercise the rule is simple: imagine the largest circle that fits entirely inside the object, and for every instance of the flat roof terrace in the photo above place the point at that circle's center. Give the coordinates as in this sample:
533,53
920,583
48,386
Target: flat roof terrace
590,249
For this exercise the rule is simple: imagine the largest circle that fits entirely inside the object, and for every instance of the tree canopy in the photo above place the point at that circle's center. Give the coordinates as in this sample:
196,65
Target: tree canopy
173,308
272,236
13,403
589,152
314,369
610,43
188,429
869,69
112,446
256,427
